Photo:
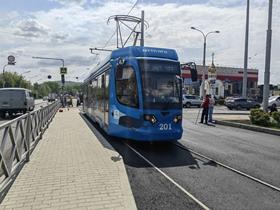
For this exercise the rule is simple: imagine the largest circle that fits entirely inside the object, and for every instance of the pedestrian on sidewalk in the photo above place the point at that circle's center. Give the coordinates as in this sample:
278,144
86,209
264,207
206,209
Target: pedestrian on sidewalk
205,106
211,108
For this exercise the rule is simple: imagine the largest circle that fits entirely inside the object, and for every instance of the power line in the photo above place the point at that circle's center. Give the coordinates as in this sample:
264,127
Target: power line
133,7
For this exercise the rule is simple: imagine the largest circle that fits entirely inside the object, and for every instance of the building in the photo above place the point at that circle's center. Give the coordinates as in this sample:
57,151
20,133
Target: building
228,81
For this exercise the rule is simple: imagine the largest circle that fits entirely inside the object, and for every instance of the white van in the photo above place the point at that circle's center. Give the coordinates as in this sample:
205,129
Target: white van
14,100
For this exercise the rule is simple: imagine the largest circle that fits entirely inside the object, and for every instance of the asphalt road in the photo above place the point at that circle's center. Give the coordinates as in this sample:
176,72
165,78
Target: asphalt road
252,152
216,187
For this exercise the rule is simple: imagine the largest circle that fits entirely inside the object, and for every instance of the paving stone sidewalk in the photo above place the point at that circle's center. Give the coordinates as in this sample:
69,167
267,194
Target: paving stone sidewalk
71,169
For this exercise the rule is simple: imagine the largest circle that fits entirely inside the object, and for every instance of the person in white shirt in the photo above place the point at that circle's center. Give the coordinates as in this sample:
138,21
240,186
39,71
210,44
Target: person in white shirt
211,108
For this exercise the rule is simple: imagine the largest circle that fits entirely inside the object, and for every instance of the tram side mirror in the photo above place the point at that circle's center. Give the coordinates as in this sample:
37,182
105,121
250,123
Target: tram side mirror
191,66
193,71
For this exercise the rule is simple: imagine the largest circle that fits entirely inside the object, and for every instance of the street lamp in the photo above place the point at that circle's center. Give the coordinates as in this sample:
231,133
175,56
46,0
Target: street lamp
63,70
204,38
25,72
35,76
204,54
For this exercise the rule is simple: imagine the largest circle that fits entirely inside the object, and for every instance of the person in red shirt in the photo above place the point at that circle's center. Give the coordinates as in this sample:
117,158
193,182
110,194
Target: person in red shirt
205,106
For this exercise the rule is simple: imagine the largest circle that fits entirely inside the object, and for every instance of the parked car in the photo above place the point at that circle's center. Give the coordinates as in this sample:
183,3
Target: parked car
14,100
227,99
189,100
241,103
274,100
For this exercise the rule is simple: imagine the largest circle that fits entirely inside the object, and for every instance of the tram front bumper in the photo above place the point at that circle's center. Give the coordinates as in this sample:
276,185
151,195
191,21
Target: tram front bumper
149,134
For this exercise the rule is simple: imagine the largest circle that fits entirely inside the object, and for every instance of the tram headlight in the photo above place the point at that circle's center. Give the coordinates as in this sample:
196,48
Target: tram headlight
177,119
151,118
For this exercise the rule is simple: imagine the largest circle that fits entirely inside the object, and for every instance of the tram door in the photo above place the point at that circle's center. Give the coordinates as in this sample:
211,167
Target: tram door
105,85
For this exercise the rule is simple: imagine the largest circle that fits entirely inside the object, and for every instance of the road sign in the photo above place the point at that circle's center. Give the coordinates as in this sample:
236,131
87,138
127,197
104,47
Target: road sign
11,60
63,70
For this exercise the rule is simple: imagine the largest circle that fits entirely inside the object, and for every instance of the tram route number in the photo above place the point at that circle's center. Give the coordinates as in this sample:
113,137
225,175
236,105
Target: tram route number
165,126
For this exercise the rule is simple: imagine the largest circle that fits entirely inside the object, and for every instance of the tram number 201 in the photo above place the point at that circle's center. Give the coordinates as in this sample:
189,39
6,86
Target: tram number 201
165,126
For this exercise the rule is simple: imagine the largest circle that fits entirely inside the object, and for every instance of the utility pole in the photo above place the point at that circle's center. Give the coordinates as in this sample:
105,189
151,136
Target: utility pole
244,86
62,68
267,59
142,28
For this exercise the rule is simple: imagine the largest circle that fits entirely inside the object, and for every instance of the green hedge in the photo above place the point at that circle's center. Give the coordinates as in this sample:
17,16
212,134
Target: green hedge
259,117
276,117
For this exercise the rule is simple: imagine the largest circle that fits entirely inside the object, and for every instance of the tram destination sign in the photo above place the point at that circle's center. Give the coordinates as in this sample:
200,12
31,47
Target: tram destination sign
160,66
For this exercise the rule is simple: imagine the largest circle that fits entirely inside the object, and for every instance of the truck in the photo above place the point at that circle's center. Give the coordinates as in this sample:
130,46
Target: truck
15,100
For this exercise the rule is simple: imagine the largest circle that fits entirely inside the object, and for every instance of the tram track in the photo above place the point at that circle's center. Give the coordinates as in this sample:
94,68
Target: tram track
191,193
164,177
202,205
229,168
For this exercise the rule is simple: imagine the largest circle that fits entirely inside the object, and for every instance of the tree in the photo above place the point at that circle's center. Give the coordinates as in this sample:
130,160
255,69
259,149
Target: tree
54,86
12,79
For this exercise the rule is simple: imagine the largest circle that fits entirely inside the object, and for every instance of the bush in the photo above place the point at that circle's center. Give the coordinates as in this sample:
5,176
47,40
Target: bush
276,117
259,117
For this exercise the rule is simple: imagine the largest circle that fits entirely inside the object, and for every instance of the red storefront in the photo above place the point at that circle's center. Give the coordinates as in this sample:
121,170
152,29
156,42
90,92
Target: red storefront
229,77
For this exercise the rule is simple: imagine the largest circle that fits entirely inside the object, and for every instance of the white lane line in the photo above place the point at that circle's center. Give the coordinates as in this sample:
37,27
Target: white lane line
171,180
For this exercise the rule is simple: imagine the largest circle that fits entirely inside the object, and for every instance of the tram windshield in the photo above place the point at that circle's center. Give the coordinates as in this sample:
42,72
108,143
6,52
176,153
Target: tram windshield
161,84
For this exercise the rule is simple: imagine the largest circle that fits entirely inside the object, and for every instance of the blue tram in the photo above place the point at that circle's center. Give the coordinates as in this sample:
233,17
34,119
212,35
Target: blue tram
136,93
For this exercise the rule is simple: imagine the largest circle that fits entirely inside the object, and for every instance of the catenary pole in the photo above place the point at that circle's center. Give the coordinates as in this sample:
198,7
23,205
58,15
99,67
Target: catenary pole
267,59
142,28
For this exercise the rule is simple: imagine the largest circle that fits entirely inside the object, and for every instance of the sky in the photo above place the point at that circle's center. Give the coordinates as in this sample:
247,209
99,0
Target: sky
68,28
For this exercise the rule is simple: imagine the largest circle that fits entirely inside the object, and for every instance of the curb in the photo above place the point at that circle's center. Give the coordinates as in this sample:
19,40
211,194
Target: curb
249,127
229,113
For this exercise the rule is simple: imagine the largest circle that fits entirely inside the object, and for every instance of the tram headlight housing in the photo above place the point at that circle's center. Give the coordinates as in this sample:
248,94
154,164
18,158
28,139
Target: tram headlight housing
177,119
121,61
151,118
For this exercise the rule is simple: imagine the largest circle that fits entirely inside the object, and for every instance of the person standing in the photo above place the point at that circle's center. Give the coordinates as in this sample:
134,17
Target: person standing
205,106
273,108
211,108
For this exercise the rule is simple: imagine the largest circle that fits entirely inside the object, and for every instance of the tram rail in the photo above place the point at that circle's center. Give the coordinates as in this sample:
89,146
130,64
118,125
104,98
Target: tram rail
229,168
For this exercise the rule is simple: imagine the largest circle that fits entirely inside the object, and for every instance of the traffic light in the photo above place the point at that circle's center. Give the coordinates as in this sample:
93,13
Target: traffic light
62,79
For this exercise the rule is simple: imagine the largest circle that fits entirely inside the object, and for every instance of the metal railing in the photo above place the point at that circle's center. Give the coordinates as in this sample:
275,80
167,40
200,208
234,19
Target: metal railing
19,137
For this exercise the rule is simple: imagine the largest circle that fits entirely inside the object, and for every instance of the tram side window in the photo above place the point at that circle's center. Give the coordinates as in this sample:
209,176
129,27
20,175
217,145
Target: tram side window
126,86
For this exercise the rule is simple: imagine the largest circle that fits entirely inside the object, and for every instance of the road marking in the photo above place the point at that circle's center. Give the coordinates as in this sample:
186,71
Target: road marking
232,169
171,180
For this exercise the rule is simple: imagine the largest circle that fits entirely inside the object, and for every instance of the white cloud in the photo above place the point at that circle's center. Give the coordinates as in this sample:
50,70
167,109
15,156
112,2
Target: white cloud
70,2
30,28
69,31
